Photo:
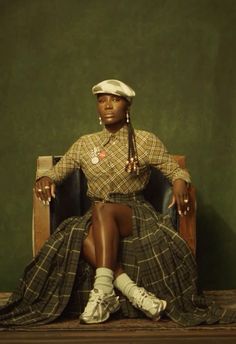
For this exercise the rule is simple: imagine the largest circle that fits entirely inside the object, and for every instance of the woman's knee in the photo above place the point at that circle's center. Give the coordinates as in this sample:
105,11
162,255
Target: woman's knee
113,215
101,211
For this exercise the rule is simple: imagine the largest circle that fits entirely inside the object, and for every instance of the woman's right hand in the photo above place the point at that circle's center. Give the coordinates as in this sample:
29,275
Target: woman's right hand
45,189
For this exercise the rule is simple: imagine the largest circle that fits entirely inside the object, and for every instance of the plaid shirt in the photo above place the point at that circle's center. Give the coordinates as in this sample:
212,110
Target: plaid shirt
102,157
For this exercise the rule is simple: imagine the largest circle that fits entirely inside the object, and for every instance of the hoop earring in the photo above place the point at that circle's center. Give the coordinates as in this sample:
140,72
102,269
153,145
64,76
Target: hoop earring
127,117
100,120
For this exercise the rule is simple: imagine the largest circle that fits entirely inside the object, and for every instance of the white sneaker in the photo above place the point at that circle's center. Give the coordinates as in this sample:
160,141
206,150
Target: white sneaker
148,303
99,307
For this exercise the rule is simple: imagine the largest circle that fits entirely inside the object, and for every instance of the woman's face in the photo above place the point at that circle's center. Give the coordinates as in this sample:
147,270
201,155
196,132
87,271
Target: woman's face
112,110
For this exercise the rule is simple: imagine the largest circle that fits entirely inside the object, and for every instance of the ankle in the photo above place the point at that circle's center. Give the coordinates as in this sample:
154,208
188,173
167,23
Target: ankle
124,283
118,271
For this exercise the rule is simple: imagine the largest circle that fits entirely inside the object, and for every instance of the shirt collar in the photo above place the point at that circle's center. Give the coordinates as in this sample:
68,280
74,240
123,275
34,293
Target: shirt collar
120,135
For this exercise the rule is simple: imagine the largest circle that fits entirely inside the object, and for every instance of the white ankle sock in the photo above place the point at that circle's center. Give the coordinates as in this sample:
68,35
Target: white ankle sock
125,285
104,280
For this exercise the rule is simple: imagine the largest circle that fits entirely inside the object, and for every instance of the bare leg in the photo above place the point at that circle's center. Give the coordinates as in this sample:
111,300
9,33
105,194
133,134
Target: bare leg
110,221
89,253
106,236
88,249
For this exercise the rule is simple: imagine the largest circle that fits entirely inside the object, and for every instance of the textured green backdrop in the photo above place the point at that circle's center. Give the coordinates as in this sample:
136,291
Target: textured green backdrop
179,55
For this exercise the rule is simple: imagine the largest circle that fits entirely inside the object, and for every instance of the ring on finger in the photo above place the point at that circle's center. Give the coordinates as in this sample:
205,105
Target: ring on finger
185,200
39,190
46,187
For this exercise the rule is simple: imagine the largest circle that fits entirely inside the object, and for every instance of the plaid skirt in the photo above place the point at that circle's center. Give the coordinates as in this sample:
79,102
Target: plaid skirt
58,280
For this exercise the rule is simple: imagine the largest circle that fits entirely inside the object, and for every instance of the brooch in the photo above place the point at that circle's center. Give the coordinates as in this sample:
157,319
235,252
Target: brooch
94,156
97,155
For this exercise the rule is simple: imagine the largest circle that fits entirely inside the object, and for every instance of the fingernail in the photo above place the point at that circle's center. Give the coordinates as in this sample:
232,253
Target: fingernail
185,213
44,202
188,208
47,203
180,212
49,199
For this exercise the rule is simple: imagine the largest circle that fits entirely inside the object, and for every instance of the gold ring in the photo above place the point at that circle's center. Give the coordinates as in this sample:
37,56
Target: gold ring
39,190
47,187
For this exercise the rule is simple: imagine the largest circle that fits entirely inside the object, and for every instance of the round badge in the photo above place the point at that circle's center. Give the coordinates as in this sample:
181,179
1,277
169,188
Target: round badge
95,160
102,154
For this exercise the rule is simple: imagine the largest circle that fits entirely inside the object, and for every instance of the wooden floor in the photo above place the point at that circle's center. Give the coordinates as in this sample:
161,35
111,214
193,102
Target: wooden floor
113,337
127,331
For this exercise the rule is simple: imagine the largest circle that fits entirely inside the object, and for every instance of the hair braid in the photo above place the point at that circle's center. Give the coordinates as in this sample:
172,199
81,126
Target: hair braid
132,164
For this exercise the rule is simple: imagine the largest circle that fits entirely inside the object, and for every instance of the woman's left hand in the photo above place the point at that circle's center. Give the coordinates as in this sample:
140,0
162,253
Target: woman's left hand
180,197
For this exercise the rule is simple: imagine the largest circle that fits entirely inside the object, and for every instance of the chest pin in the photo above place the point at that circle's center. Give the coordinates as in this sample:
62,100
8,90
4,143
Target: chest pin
94,156
94,160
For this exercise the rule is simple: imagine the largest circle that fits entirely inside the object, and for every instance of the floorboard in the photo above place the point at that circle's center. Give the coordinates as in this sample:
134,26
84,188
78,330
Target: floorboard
126,331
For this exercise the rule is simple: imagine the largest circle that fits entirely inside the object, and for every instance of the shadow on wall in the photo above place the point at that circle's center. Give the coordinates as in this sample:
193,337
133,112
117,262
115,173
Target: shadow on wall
215,254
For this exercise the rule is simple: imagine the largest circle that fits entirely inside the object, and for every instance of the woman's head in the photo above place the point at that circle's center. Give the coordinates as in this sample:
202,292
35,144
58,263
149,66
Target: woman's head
113,102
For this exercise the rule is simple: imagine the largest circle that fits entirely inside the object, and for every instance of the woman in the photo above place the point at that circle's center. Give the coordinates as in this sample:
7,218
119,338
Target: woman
131,247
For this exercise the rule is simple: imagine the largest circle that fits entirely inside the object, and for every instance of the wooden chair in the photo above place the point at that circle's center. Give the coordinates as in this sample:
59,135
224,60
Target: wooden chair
71,200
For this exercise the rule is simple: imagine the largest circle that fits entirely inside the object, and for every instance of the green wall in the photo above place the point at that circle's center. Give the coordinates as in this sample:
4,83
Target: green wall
179,55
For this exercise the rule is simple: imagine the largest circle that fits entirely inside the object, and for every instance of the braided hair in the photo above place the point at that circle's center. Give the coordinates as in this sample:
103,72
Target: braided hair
132,163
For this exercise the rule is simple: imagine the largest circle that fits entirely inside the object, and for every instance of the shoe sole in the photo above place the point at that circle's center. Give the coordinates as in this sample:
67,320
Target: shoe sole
82,321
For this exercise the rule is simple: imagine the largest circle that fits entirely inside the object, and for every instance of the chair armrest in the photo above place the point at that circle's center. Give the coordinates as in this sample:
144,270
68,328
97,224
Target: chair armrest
41,212
187,223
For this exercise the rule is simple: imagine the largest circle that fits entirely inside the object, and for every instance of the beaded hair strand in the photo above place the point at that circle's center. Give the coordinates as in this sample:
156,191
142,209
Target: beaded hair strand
132,164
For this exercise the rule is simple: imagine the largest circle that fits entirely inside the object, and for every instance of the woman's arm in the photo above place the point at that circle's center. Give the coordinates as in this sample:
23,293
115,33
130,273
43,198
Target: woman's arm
46,182
180,178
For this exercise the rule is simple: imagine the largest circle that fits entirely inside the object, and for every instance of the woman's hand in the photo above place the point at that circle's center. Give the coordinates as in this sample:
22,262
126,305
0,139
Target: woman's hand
45,189
180,197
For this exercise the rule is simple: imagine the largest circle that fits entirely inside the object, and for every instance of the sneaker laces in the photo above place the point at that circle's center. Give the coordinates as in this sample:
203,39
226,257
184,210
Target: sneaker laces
96,298
148,302
142,297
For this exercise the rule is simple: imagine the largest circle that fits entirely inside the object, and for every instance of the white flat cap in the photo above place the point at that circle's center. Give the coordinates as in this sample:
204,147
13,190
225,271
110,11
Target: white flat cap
115,87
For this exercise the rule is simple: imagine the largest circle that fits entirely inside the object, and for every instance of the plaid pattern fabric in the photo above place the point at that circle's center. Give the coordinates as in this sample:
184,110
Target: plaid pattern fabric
116,87
102,157
45,287
154,256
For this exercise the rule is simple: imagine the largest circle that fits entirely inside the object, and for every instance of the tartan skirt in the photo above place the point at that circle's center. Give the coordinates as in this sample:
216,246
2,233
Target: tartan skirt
57,281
